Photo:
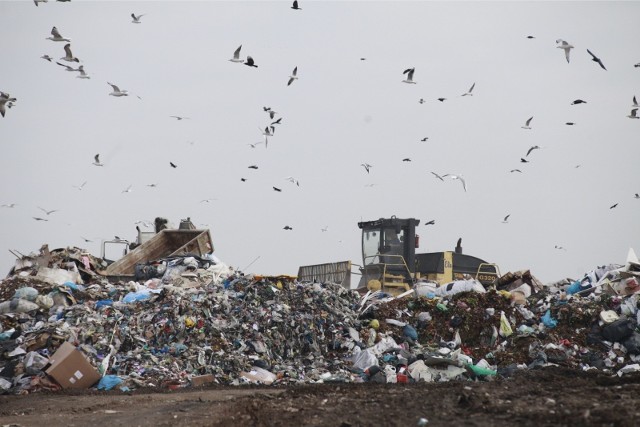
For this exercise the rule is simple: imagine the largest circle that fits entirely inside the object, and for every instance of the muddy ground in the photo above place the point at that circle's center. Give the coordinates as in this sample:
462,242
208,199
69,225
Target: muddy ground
542,397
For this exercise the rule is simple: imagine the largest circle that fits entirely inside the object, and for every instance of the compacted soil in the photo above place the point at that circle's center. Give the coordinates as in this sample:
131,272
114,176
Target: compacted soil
542,397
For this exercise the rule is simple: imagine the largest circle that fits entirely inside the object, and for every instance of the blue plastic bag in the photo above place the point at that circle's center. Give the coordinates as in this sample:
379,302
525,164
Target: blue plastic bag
410,332
108,382
548,321
575,287
103,303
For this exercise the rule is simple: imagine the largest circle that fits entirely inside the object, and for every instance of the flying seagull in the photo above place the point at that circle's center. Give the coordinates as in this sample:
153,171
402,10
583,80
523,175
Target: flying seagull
506,219
180,118
637,196
254,144
48,212
424,139
530,37
67,67
96,160
276,122
136,19
250,62
295,5
559,248
578,101
613,206
459,178
56,37
39,219
39,1
128,189
366,166
570,123
442,99
566,47
83,74
422,101
117,91
47,57
437,176
635,103
253,167
293,76
69,56
527,123
406,159
631,115
293,180
522,160
432,222
173,165
277,189
515,170
468,93
596,59
535,147
86,240
5,101
236,55
286,227
409,72
81,186
9,205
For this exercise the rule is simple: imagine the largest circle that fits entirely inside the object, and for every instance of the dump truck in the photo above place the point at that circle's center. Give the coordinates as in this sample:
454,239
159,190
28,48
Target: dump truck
390,262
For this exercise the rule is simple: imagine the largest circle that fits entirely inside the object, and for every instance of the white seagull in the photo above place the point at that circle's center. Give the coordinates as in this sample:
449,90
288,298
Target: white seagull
409,72
633,114
96,161
468,93
293,180
437,176
293,76
9,205
5,101
366,166
117,91
48,212
128,189
81,186
136,19
47,57
506,219
236,55
67,67
458,177
56,37
635,103
565,46
527,123
69,56
82,75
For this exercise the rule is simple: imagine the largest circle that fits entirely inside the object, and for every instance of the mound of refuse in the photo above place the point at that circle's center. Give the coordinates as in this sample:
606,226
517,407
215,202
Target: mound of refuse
193,320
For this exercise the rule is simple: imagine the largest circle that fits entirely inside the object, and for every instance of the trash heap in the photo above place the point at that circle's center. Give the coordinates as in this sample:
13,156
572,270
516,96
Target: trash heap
194,320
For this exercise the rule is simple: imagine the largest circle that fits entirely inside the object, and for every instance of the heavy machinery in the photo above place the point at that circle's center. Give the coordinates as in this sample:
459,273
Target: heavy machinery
390,262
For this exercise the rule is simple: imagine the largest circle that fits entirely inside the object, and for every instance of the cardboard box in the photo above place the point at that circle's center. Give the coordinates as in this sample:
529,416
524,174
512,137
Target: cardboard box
71,369
202,379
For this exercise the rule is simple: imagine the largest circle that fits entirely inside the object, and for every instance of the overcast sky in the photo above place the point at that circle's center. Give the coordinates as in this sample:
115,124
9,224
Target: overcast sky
349,106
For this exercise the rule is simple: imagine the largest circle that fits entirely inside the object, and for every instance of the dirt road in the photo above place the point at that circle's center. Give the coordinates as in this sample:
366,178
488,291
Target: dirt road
547,397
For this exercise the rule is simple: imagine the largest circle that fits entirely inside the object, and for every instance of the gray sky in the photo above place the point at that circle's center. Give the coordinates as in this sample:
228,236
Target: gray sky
341,112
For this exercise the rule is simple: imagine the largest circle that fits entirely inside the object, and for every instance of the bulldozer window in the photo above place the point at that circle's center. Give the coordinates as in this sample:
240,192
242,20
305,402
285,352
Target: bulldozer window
370,246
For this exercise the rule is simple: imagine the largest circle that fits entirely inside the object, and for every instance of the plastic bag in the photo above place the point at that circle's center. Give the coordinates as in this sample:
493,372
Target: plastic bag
108,382
364,360
505,326
548,321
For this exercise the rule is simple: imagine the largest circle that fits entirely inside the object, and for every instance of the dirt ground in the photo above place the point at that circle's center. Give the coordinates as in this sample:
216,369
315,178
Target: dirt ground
543,397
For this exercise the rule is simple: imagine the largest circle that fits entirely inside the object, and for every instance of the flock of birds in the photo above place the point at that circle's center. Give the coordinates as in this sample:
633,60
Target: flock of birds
71,64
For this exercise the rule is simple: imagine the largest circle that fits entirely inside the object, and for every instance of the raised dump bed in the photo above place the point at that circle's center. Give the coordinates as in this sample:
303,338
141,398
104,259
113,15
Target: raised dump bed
165,244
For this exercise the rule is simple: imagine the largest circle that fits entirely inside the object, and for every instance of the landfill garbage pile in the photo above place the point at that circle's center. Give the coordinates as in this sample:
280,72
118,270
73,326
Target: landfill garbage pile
194,320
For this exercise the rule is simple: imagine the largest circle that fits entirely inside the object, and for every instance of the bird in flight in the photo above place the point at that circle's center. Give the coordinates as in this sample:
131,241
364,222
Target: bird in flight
422,101
39,219
325,228
48,212
117,91
535,147
432,222
286,227
67,67
9,205
39,1
570,123
442,99
424,139
154,185
637,196
530,37
366,166
468,93
207,200
635,103
409,72
136,19
128,189
173,165
5,101
56,37
180,118
523,160
527,123
596,59
47,57
83,74
236,55
566,47
276,122
515,170
633,114
249,62
459,178
293,180
254,144
559,248
86,240
437,176
253,167
613,206
96,160
578,101
293,76
506,219
295,5
277,189
68,55
406,159
243,179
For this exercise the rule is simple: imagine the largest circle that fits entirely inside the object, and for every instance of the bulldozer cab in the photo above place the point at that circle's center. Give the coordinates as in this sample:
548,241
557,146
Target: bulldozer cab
388,253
